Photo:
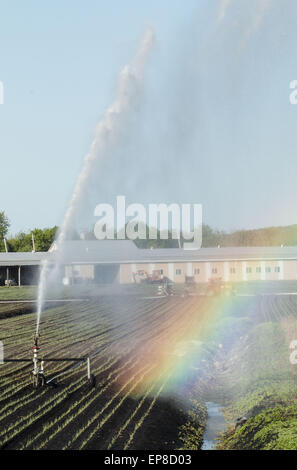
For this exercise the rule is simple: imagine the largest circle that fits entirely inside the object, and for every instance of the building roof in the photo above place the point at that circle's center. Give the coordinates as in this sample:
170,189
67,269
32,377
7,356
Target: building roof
22,258
125,251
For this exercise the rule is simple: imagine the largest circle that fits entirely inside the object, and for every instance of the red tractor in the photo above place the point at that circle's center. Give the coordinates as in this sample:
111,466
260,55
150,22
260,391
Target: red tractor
142,276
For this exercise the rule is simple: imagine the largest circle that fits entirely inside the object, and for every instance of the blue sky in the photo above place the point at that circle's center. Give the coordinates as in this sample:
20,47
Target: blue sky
214,126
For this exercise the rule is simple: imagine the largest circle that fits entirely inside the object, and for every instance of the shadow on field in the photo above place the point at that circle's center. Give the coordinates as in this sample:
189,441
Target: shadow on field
160,429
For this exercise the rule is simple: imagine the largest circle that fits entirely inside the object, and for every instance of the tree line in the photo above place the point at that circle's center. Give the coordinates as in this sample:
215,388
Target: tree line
22,241
43,238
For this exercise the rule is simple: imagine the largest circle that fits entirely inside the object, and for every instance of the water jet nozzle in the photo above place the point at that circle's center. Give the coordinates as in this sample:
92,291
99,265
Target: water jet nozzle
36,340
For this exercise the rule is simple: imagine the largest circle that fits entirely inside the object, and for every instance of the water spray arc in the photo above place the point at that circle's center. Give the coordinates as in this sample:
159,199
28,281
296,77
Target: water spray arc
106,137
41,291
107,131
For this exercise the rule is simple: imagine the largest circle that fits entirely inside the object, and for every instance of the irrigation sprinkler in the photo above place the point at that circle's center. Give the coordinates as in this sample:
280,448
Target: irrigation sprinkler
38,369
38,377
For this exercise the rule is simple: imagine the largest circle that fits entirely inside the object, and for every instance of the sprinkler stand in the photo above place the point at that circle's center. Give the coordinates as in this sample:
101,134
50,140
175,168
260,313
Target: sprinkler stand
39,379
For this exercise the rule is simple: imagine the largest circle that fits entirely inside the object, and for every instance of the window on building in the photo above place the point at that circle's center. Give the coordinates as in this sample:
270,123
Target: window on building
178,272
161,271
268,269
196,271
248,270
258,269
214,271
232,270
277,269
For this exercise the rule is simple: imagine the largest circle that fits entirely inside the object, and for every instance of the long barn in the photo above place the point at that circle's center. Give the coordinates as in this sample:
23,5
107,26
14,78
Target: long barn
109,261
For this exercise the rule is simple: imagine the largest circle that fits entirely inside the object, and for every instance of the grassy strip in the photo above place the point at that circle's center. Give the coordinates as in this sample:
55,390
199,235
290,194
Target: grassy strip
259,364
191,433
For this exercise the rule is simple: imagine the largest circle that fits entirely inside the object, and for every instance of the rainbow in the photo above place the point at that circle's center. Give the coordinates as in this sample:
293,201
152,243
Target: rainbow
179,351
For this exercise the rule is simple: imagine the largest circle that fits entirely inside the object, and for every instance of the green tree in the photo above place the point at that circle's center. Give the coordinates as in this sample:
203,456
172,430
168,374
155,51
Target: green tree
44,238
4,225
23,241
211,237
